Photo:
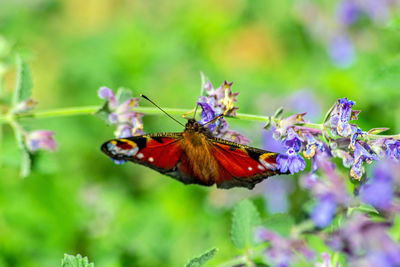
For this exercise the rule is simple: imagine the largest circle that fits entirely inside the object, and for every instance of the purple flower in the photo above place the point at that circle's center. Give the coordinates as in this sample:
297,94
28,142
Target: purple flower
362,153
348,12
366,241
355,133
392,149
120,112
282,125
331,184
347,159
221,99
207,115
312,148
40,139
283,251
324,211
292,141
379,192
290,161
345,107
108,94
378,10
216,102
341,51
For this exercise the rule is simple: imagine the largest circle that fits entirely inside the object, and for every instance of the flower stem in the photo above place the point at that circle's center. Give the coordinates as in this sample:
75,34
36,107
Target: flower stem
74,111
86,110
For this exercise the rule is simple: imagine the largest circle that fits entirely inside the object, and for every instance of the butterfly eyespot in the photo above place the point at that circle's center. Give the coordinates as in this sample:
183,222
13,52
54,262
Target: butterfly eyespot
266,162
140,155
260,167
122,147
250,168
126,144
151,159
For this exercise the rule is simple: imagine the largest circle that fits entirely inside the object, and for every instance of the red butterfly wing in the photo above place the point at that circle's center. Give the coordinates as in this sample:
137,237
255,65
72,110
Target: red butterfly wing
161,152
158,152
241,165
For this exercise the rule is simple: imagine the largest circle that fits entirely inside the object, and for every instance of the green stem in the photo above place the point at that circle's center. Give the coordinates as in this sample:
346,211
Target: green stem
86,110
74,111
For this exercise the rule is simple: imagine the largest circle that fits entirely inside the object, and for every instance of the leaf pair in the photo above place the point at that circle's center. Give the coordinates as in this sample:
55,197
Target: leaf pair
22,92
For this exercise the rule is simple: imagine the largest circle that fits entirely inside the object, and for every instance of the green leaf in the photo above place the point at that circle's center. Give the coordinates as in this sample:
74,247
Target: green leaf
203,258
26,157
103,112
245,218
75,261
23,83
362,208
280,223
123,95
278,112
377,130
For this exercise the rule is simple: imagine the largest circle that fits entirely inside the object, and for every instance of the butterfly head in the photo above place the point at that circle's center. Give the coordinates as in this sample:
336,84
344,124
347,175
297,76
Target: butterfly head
193,126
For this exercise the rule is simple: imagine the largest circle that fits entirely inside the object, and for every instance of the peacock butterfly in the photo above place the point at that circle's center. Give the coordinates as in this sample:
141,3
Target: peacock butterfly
195,156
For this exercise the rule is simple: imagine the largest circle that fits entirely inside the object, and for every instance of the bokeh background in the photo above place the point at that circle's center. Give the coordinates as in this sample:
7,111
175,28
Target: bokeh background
301,55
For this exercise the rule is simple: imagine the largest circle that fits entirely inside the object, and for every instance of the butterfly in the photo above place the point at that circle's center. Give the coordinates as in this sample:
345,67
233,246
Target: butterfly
195,156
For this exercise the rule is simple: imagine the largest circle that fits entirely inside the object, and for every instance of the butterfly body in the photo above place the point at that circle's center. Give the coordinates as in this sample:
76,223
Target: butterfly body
195,156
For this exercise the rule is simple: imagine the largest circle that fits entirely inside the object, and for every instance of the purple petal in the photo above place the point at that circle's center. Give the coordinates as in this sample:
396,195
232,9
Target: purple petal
119,162
292,140
341,51
348,12
290,161
380,191
40,139
298,164
128,105
392,149
123,131
207,115
113,118
324,211
108,94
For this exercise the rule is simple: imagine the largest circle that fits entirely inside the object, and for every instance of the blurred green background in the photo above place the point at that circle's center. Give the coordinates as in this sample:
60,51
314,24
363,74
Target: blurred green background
277,53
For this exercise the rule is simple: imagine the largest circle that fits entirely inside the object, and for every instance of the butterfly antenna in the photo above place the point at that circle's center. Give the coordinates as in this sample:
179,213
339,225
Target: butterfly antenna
216,118
145,97
195,110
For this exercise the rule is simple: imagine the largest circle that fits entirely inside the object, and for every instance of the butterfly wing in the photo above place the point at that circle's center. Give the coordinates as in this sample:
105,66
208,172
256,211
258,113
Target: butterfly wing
162,152
242,166
225,163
